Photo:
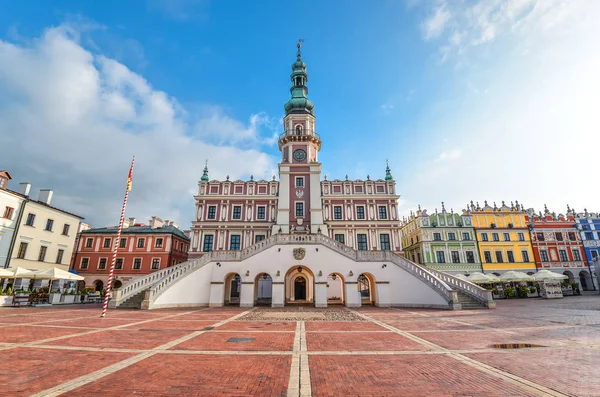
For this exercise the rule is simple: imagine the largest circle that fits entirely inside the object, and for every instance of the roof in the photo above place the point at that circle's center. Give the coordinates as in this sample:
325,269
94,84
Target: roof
138,230
6,172
29,199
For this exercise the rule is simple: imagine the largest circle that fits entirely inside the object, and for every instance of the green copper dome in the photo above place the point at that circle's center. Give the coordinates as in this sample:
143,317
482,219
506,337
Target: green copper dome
205,173
388,172
299,102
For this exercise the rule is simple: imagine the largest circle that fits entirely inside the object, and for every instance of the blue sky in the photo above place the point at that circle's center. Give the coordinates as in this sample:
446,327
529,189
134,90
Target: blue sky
444,89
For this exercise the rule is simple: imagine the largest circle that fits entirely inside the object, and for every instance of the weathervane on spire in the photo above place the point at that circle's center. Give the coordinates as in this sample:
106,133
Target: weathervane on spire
299,53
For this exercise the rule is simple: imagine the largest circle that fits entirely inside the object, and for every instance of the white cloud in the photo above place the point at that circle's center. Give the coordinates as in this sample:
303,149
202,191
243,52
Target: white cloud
435,24
449,155
387,108
71,119
460,26
531,136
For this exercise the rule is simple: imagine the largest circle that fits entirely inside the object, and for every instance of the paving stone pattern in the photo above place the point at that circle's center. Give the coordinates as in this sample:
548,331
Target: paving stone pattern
301,351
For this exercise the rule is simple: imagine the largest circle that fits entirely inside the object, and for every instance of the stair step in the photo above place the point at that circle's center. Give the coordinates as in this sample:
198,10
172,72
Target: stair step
134,302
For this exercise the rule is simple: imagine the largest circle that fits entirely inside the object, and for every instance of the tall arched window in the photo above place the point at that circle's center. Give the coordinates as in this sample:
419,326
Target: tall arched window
298,130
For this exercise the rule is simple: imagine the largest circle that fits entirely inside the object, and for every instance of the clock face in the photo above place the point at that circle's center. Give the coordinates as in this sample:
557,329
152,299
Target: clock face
299,155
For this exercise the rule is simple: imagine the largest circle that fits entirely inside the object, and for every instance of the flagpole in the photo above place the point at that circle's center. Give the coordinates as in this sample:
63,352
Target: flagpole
117,240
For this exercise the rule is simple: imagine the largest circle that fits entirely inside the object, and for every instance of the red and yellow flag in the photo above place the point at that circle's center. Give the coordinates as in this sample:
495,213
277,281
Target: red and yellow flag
130,176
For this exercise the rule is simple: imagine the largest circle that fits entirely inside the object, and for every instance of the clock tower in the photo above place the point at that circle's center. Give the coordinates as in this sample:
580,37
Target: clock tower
300,209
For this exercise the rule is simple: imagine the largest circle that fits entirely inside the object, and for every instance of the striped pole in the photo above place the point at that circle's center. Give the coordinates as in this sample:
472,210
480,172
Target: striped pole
116,244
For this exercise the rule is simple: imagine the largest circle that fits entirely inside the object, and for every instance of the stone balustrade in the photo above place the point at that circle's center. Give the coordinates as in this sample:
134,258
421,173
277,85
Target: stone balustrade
158,282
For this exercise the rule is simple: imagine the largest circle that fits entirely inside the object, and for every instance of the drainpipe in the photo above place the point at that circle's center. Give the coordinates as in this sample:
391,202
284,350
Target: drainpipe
14,236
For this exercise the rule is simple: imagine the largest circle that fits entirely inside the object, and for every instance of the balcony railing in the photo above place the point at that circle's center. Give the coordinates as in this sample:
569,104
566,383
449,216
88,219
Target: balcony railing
299,134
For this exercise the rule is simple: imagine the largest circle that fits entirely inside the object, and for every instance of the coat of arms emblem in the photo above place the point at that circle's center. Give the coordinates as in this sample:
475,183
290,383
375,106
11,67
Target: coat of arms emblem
299,253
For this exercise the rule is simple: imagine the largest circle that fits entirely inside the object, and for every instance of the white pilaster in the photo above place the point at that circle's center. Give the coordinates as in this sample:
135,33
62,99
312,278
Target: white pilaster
321,294
278,299
352,294
217,294
247,294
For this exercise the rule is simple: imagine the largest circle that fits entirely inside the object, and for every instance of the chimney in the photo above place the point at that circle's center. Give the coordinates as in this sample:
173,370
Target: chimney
125,223
45,196
131,222
155,222
174,224
24,188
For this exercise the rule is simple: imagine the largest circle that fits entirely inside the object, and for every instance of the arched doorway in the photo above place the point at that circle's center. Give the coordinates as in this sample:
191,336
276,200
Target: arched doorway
233,288
585,280
366,287
335,289
570,275
263,290
299,285
300,288
98,285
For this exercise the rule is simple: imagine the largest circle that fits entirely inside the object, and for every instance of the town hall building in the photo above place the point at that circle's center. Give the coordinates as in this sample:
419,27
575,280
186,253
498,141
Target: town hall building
299,239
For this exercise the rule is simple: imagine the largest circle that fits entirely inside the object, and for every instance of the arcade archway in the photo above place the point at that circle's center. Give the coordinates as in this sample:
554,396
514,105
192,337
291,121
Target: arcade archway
366,287
336,293
233,289
263,290
585,281
299,286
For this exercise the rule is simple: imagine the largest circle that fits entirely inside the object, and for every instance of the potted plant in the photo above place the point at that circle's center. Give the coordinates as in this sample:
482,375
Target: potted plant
67,297
6,297
509,292
522,291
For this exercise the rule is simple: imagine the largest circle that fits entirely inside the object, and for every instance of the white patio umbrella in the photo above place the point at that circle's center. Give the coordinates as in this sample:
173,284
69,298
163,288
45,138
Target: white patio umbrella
5,273
19,272
54,273
515,276
481,278
548,275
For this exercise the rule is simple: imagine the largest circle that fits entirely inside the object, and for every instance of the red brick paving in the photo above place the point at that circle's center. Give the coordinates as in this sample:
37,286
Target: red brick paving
483,339
217,341
366,375
573,372
426,324
343,326
121,339
372,341
407,375
30,333
24,371
206,316
179,325
95,322
258,326
204,375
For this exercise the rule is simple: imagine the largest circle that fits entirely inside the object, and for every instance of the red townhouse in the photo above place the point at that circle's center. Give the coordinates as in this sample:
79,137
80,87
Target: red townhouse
556,242
142,249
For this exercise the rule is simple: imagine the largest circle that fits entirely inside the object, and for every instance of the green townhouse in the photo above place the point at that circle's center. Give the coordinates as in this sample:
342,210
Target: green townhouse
444,241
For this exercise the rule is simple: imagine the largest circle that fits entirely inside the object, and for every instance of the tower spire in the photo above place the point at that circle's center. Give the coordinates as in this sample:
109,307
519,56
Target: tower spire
299,102
205,172
388,172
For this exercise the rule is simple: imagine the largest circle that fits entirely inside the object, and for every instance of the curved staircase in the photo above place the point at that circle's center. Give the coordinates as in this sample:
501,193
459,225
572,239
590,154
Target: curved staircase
143,291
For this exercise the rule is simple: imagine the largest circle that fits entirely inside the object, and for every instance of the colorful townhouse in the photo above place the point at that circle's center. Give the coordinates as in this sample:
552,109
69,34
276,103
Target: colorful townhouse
557,245
588,224
143,249
503,238
443,241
